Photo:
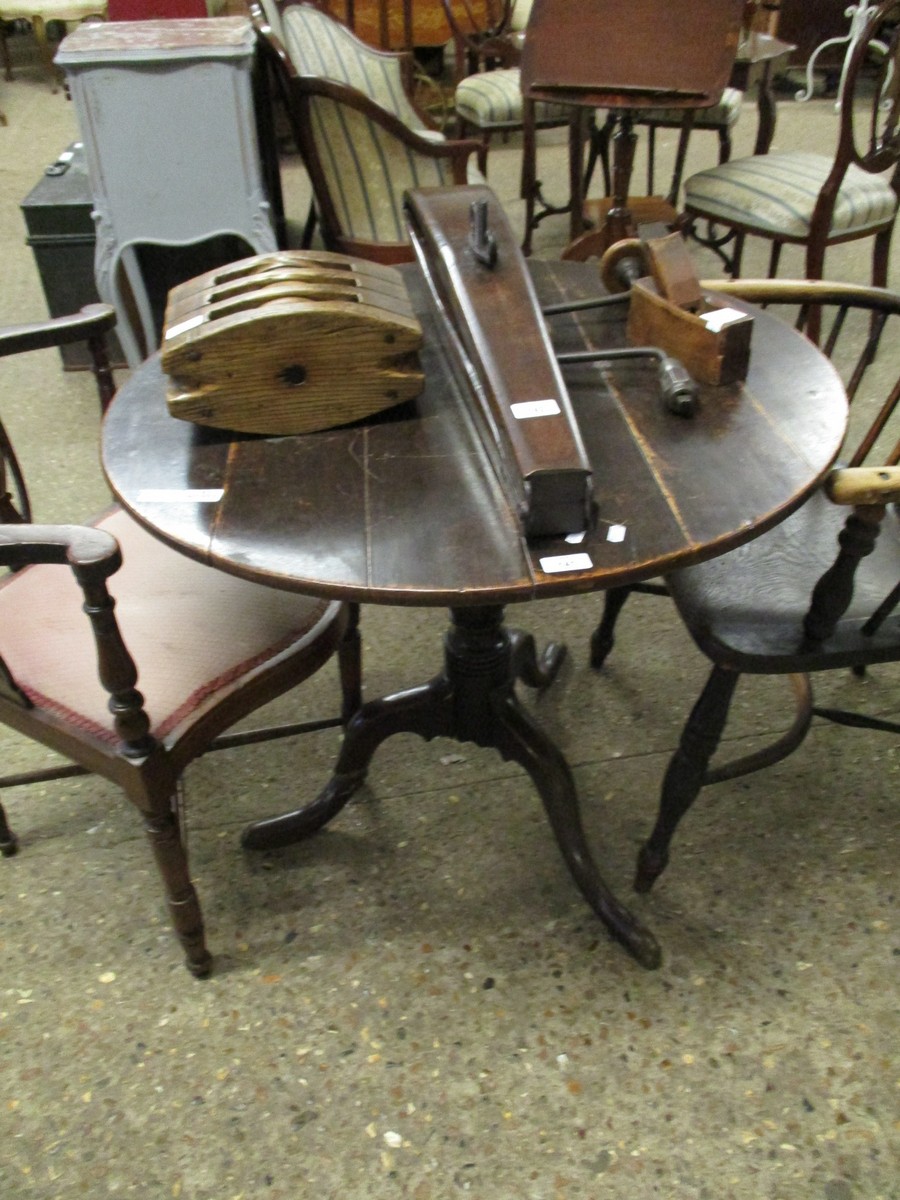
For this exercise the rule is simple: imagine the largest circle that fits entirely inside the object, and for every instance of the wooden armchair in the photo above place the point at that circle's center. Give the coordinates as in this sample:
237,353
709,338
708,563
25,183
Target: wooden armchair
362,138
820,591
93,612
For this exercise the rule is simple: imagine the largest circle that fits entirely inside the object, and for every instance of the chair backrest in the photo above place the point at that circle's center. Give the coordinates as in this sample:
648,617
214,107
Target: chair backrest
360,169
478,18
363,141
91,326
271,9
521,11
870,95
856,317
482,36
320,47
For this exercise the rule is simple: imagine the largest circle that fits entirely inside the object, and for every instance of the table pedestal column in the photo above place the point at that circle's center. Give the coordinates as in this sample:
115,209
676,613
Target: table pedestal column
474,700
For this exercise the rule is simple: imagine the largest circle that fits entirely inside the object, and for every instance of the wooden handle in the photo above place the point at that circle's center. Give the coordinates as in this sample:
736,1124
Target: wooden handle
864,485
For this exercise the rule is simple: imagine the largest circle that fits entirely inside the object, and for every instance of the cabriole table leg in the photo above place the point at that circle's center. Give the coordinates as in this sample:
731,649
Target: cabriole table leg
474,700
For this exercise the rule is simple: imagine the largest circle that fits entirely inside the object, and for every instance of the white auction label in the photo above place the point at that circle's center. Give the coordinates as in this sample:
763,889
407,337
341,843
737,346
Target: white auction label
180,495
616,533
566,562
718,318
534,408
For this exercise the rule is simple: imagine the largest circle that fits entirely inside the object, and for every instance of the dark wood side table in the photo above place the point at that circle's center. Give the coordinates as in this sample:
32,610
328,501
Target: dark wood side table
409,511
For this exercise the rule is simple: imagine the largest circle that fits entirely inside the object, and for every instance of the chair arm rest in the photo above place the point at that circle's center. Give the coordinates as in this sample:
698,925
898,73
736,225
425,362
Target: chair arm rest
864,485
805,291
85,549
422,141
93,555
93,321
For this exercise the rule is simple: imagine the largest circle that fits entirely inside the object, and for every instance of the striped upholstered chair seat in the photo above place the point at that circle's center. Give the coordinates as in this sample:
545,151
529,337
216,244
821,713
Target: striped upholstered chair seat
719,118
493,100
777,193
725,113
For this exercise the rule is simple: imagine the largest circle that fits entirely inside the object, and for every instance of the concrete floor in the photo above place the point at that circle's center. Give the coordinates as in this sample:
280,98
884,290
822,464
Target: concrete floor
418,1002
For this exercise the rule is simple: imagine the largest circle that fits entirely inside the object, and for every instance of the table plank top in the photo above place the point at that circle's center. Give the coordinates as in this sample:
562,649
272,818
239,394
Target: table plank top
409,511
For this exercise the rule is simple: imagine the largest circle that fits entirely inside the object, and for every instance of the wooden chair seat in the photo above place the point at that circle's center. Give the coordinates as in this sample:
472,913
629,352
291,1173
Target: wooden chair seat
746,609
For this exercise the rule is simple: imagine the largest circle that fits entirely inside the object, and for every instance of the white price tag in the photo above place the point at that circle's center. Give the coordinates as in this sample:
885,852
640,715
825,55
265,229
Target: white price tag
534,408
720,317
616,533
558,563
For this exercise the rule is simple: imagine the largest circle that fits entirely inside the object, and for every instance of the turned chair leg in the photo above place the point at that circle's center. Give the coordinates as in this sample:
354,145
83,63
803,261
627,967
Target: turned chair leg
350,666
602,639
737,254
9,843
4,57
686,772
163,828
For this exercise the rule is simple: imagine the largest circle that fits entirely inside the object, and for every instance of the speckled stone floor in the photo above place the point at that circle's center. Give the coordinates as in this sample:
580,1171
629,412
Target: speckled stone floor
418,1003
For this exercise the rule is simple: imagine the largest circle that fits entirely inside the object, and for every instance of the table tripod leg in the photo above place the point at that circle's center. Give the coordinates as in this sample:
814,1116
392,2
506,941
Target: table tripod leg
520,740
535,670
424,710
474,700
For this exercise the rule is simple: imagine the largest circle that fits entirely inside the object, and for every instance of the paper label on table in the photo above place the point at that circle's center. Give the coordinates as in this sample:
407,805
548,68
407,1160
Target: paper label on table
720,317
184,326
566,562
534,408
180,495
575,539
616,533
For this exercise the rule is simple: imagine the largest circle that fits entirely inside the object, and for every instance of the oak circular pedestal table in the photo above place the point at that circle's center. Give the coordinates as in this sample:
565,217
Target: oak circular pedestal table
407,510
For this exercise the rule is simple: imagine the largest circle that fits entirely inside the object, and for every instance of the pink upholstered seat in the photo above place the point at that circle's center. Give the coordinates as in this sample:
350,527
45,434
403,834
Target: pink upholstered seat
217,628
